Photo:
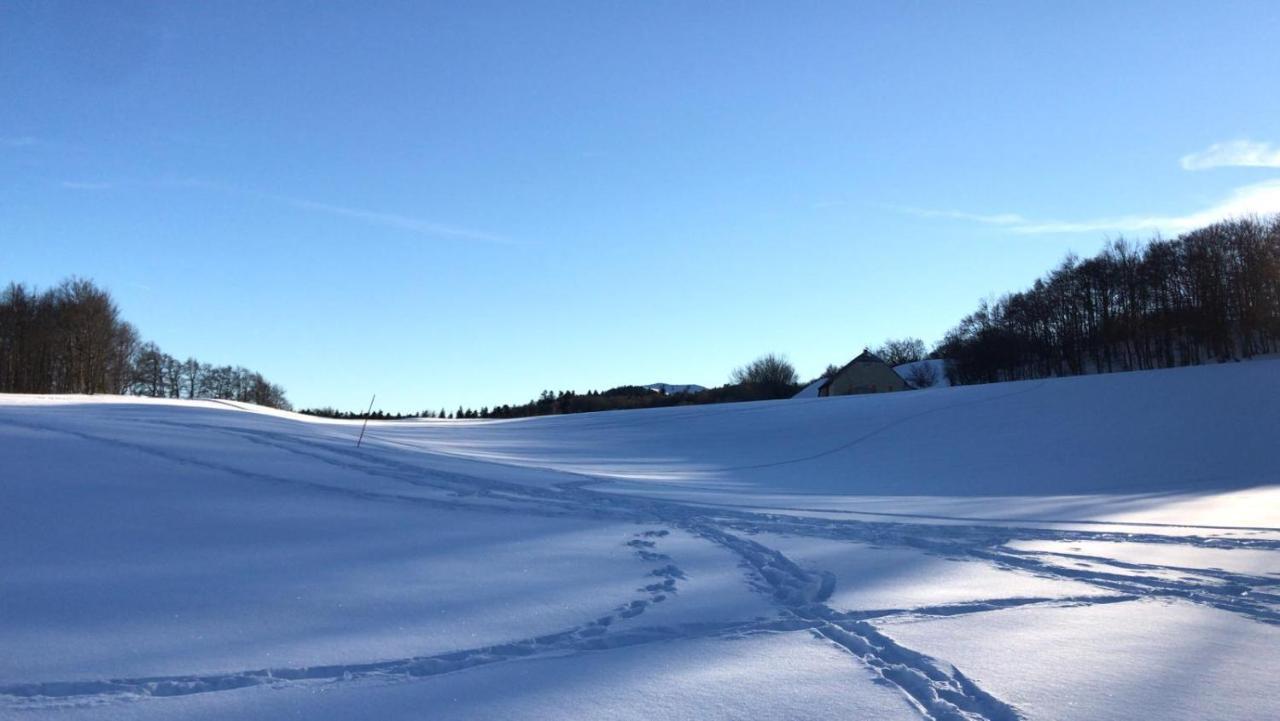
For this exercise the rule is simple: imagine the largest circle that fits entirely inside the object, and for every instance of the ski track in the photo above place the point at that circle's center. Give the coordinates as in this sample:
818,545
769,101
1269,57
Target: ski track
936,689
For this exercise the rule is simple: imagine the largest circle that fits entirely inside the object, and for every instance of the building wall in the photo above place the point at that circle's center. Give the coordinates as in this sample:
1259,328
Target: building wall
866,378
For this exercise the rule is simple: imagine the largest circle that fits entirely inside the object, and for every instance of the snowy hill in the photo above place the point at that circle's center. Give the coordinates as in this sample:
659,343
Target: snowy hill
1101,547
811,390
932,370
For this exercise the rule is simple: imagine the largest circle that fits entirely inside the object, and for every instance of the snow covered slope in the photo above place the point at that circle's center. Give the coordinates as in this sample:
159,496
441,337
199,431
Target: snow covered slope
935,368
1183,431
894,556
811,390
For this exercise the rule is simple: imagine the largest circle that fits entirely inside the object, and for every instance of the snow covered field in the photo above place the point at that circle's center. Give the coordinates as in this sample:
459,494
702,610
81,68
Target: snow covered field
1104,547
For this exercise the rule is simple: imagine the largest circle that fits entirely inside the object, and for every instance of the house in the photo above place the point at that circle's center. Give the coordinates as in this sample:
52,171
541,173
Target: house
865,374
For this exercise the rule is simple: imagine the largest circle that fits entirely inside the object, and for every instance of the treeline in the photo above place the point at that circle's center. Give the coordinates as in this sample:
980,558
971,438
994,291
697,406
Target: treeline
766,378
629,398
378,415
71,339
559,402
1212,294
159,375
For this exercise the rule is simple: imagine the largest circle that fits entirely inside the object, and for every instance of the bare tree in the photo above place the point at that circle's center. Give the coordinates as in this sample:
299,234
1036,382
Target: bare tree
904,350
70,339
191,377
922,375
1211,294
172,375
149,371
771,374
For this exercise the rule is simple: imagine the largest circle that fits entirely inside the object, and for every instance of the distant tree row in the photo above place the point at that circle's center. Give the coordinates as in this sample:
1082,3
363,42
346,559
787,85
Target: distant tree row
1212,294
71,339
159,375
378,415
765,378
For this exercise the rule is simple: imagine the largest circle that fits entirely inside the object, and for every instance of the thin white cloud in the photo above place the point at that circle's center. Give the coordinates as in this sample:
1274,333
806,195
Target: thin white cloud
86,185
190,182
1257,199
23,141
1005,219
391,220
1234,153
402,222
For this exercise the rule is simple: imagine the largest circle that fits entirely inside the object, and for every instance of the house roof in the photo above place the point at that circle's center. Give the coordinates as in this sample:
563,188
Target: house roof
866,356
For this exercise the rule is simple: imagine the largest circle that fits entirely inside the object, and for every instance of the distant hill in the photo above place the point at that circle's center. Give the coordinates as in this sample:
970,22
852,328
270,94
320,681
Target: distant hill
671,388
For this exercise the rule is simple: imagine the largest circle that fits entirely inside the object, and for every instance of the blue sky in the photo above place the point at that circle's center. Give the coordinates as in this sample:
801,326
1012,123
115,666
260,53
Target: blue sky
466,203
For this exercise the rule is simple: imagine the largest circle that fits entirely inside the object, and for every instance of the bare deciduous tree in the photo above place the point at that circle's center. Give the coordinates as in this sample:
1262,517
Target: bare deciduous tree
1211,294
771,373
70,339
903,350
922,375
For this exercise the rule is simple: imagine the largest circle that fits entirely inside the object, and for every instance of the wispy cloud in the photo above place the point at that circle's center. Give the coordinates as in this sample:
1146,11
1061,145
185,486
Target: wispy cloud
1257,199
411,224
23,141
393,220
86,185
1005,219
1234,153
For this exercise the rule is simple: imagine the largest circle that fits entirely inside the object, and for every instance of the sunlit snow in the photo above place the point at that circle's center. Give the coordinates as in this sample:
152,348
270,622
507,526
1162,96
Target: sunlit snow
1083,548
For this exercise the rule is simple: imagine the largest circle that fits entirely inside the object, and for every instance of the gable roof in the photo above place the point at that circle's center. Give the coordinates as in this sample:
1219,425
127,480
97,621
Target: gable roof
866,356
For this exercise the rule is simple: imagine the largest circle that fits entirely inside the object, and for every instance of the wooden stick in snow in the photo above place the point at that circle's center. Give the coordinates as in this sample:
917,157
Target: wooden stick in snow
366,420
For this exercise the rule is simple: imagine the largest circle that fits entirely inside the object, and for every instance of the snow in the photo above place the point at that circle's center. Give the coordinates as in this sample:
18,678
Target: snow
1170,661
103,576
1209,424
937,365
811,390
710,588
1097,547
900,578
1241,513
1143,555
768,677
